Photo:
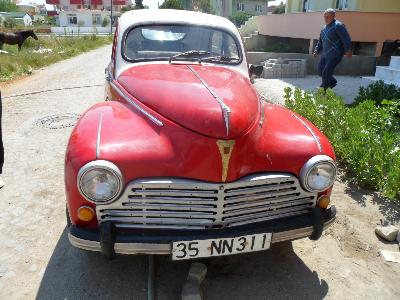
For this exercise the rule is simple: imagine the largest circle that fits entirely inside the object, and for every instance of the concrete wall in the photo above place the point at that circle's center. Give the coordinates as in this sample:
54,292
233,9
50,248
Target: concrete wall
80,30
249,27
355,66
363,27
390,6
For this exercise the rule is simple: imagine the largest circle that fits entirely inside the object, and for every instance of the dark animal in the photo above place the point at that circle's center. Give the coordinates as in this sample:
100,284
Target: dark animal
17,38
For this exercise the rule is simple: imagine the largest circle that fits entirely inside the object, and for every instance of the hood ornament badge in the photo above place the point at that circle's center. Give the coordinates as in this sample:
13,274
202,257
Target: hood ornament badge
225,149
225,108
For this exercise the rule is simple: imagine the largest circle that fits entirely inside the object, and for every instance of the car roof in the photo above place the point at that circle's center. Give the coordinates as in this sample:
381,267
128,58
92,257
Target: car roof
166,16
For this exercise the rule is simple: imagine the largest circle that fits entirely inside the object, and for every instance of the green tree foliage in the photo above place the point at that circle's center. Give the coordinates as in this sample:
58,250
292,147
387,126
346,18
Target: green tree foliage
139,4
172,4
203,6
240,17
127,8
8,5
280,9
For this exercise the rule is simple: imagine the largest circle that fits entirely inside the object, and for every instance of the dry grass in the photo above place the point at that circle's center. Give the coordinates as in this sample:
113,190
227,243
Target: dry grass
43,52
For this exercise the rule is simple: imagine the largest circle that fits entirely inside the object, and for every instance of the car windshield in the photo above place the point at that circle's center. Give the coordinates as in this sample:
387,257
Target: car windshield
180,42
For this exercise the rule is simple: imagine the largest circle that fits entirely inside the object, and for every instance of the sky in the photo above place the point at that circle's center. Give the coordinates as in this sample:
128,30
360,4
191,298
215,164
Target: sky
153,3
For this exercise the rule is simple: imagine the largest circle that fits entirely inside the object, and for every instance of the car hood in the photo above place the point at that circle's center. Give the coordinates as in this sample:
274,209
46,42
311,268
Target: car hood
211,100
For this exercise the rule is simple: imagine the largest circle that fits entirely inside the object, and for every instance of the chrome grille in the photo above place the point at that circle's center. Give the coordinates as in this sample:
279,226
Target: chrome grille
191,204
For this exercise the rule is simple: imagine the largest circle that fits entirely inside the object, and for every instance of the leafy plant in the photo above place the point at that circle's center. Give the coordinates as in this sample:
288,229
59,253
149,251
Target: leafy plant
203,6
378,91
366,137
280,9
171,4
9,23
139,4
240,17
8,5
105,22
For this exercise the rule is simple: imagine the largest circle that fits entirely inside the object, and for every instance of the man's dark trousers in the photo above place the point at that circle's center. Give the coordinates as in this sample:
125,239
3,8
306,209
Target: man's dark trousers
1,140
326,68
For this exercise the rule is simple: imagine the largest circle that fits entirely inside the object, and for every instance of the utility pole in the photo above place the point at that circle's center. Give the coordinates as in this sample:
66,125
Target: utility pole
111,18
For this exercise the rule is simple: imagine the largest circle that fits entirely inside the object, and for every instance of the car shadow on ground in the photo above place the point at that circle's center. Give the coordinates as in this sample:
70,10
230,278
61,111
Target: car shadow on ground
390,209
278,273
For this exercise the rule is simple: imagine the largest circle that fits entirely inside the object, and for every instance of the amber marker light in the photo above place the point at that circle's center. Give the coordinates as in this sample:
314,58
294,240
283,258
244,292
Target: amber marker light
85,213
323,201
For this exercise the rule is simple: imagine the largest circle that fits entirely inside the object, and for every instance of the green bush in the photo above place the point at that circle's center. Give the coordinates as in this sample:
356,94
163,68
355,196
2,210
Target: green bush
366,138
240,17
172,4
378,91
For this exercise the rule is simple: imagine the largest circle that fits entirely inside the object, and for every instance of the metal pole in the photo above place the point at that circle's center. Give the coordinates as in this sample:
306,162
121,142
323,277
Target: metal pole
150,278
111,18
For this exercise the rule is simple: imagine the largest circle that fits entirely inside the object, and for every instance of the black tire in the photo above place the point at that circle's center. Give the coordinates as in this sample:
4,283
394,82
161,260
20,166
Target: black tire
68,218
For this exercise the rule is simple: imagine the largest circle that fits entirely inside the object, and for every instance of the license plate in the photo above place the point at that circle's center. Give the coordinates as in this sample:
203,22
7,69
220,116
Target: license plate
218,247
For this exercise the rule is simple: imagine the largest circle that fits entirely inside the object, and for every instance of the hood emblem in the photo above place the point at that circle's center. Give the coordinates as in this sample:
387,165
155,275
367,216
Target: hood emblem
225,149
225,108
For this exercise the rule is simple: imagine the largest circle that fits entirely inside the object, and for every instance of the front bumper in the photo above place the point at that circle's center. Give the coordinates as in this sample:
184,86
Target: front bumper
158,241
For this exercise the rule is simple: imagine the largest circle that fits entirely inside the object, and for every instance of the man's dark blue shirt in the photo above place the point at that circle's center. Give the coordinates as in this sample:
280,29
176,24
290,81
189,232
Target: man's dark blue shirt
334,40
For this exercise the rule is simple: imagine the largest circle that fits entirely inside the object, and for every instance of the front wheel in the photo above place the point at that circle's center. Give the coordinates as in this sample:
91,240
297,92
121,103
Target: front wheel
68,218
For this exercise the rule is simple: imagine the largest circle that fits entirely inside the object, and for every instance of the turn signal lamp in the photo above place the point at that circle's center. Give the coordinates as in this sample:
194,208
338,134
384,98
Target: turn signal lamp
323,202
85,213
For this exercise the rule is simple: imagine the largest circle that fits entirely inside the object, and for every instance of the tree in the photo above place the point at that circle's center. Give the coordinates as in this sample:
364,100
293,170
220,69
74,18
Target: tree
139,4
240,17
8,5
280,9
127,8
203,6
172,4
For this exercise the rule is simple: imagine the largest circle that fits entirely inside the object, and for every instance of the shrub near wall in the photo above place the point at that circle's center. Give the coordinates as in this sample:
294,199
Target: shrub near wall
366,138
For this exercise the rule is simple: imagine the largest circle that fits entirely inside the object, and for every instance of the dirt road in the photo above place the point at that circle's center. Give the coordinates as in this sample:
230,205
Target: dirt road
36,260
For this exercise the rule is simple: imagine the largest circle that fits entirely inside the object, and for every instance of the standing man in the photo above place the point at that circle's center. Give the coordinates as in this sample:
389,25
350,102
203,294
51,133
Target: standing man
1,148
334,42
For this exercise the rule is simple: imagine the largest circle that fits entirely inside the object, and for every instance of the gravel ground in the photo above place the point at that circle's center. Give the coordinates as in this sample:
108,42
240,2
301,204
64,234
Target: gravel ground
272,89
36,260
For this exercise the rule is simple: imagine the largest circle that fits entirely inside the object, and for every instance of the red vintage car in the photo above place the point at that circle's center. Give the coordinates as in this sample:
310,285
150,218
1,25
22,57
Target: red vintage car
184,157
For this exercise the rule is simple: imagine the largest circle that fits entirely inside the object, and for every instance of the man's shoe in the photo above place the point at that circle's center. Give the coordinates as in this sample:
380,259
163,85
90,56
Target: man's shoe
333,85
1,183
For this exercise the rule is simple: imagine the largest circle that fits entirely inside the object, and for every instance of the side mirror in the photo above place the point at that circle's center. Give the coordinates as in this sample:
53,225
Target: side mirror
255,70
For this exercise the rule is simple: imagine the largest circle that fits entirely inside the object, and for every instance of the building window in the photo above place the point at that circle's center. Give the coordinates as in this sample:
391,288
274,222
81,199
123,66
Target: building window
96,19
240,6
79,7
72,19
342,4
306,5
65,7
94,6
258,8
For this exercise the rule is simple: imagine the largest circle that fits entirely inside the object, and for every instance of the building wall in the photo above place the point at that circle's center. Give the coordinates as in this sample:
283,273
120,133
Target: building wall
293,6
250,6
383,27
83,18
378,6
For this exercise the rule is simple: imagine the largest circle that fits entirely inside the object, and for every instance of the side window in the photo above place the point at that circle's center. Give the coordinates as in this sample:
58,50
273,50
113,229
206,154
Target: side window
216,43
223,44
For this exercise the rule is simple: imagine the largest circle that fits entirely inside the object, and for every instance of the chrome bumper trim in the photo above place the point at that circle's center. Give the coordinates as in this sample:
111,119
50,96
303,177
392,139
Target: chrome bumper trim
160,249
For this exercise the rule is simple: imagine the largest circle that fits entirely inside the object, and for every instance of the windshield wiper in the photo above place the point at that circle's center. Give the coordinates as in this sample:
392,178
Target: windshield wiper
189,53
219,58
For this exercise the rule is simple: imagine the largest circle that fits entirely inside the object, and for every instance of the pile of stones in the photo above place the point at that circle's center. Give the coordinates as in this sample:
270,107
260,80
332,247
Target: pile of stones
284,68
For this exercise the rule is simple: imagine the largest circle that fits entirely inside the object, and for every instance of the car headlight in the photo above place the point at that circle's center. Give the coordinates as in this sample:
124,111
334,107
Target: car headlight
100,181
318,173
